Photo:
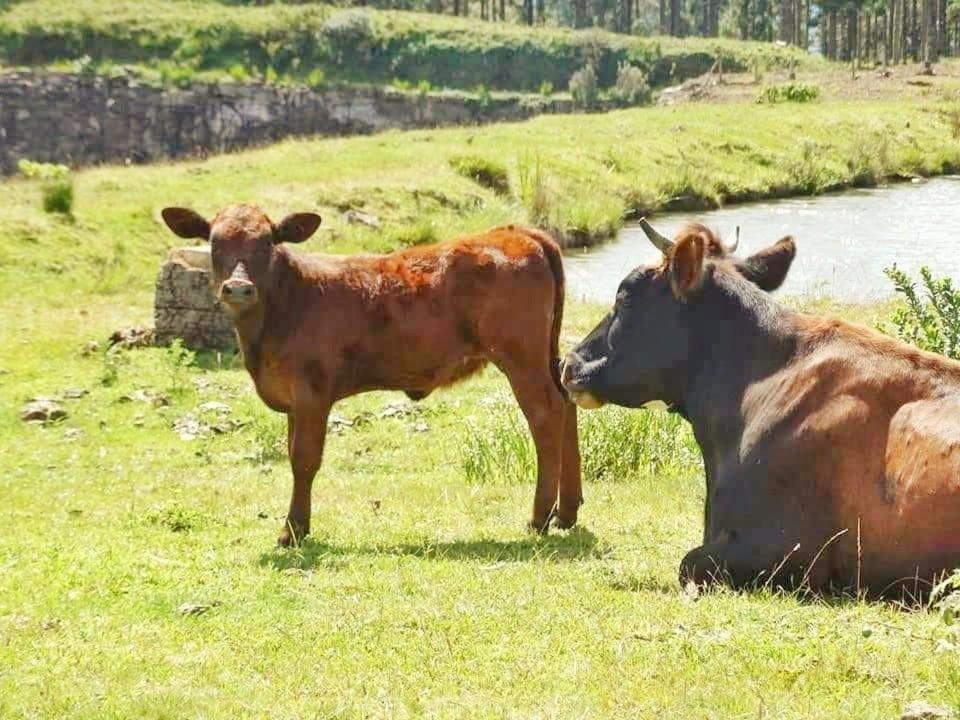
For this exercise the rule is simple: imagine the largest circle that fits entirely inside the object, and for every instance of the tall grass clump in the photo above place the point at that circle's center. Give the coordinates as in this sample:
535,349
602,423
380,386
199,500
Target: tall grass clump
930,315
618,444
501,453
533,190
56,185
789,92
615,445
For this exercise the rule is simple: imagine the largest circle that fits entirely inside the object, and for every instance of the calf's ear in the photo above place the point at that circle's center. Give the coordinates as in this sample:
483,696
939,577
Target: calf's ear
686,266
186,223
296,228
768,268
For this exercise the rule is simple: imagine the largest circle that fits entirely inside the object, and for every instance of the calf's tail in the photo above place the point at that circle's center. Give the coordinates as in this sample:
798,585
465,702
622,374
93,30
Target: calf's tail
555,259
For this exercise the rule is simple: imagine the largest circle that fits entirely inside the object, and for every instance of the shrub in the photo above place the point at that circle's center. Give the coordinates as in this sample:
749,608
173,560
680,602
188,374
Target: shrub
631,86
546,88
56,185
484,172
584,88
930,321
350,27
789,92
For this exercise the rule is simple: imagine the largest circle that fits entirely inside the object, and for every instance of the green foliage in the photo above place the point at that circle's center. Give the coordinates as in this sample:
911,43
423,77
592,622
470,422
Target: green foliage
584,88
503,453
632,87
616,445
348,45
42,171
269,436
176,518
178,359
56,185
788,92
546,88
930,316
534,193
485,172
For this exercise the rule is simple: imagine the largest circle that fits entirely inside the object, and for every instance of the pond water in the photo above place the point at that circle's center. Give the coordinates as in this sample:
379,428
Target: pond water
844,240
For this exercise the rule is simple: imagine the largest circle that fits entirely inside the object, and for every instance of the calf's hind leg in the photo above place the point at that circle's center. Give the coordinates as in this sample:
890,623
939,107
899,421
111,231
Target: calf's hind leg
571,491
543,406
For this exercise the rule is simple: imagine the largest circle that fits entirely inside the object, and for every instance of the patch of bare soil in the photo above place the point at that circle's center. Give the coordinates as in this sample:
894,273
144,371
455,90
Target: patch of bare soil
838,82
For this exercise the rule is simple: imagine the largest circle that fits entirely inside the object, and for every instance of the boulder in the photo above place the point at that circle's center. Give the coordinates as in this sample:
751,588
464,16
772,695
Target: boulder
185,306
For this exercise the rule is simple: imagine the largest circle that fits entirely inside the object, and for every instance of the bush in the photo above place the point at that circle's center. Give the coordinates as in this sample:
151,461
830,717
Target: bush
546,88
931,321
484,172
56,185
631,86
584,88
790,92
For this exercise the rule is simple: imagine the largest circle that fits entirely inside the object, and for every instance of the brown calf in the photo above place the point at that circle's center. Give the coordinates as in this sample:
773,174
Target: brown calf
315,329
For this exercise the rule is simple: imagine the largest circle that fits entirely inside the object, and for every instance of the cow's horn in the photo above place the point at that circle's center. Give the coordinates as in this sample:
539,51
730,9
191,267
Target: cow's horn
663,245
736,242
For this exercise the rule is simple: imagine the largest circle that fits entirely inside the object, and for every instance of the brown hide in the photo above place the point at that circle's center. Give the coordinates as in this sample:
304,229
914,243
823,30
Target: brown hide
831,452
322,328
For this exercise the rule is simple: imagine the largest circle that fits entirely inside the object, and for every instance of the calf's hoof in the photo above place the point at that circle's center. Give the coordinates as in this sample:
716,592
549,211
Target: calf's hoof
565,521
292,535
541,527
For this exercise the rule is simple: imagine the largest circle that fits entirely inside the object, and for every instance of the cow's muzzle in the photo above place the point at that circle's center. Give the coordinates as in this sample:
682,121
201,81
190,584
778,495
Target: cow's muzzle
238,291
574,381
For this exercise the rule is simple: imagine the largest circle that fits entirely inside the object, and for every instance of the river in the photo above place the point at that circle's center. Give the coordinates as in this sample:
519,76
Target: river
844,240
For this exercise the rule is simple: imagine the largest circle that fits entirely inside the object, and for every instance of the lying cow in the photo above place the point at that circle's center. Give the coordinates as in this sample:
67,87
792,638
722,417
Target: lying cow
832,452
316,329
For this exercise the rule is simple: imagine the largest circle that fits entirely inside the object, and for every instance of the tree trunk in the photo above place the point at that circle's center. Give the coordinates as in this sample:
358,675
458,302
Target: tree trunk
675,17
787,22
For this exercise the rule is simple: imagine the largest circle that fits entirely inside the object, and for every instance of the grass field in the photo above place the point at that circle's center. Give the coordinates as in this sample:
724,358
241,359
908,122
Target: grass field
136,535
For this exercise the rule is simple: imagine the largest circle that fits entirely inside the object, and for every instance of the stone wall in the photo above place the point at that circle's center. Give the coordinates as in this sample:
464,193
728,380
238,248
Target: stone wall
89,119
185,307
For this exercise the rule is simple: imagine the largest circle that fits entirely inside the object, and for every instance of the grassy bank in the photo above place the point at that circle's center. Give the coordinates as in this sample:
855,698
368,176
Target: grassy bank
319,44
577,174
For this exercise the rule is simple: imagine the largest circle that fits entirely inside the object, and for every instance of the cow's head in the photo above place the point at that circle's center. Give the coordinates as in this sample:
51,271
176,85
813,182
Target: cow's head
641,351
242,242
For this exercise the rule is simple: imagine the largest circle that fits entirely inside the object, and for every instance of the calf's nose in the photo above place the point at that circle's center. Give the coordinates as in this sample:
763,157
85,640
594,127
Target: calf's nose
235,290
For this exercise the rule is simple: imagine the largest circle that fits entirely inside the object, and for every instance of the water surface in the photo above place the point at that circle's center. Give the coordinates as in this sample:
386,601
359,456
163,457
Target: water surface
844,240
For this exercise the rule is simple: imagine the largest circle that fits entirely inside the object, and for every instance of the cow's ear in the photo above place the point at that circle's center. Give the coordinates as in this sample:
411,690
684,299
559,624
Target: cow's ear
686,265
186,223
296,228
768,268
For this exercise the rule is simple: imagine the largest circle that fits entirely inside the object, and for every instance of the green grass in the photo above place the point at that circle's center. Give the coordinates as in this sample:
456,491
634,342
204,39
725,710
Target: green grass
177,41
420,594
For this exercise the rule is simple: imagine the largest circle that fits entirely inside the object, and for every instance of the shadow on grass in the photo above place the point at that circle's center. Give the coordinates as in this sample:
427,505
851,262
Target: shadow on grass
578,544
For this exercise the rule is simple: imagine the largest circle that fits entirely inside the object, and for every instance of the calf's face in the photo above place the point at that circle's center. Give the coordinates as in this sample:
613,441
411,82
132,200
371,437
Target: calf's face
641,350
242,242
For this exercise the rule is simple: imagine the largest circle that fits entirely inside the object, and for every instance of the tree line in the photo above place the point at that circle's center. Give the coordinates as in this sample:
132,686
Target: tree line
864,31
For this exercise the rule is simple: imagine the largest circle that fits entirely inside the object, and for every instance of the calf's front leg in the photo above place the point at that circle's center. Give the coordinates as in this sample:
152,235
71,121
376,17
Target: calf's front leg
306,433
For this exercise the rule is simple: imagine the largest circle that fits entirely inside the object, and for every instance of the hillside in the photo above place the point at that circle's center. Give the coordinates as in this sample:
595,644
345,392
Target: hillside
176,41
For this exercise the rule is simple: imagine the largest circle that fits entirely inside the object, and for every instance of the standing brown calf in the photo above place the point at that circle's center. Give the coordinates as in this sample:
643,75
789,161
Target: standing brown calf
315,329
